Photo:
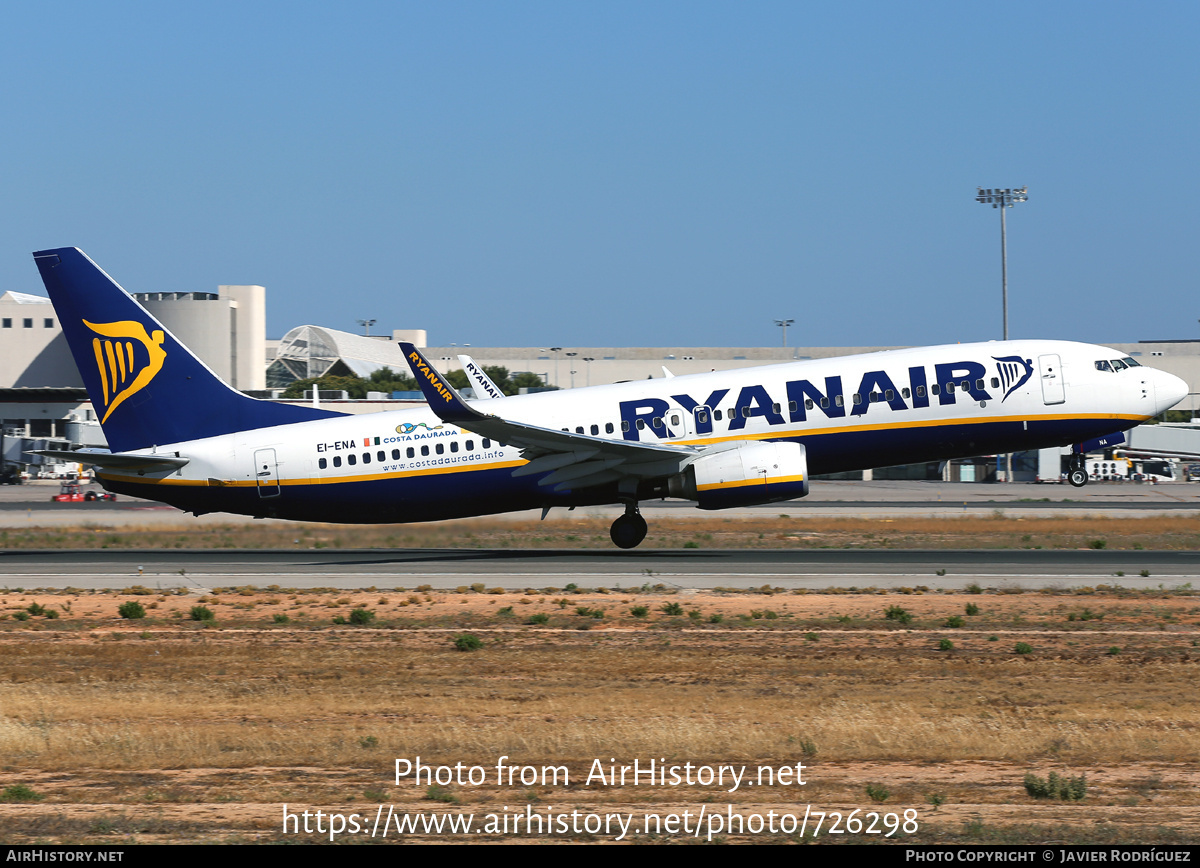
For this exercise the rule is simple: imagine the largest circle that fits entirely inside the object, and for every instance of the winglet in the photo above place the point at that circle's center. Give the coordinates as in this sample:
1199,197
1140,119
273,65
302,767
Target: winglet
443,400
480,382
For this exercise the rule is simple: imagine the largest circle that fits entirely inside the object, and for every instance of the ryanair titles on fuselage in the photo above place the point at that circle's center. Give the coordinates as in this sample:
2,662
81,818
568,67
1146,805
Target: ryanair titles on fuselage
804,397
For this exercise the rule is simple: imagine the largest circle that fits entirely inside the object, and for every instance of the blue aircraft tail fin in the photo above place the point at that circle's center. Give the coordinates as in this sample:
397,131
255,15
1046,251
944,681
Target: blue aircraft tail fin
146,387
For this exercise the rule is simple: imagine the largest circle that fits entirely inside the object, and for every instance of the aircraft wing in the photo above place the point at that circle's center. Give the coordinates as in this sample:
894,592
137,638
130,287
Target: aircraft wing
574,460
115,460
480,382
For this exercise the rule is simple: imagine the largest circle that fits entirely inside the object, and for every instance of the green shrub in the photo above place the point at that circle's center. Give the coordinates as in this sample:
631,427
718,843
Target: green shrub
36,609
878,792
201,613
362,617
539,618
281,618
895,613
1024,648
438,793
1055,787
468,642
954,621
671,609
131,610
21,616
20,793
972,609
716,618
945,645
639,611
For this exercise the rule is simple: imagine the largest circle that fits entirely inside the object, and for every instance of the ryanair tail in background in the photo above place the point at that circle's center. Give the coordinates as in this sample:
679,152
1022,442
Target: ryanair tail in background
146,387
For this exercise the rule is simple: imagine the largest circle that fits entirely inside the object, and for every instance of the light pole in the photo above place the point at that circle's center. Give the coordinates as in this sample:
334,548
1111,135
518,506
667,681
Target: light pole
571,359
1002,199
783,324
366,324
556,351
589,360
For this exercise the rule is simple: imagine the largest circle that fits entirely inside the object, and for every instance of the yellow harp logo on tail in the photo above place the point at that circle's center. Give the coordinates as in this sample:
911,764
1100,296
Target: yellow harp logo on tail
123,371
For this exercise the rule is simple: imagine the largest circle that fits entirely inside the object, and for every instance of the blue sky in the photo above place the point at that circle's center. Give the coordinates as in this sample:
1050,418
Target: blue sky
610,174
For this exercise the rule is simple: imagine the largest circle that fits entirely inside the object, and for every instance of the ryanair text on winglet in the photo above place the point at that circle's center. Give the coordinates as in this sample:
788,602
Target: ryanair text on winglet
431,376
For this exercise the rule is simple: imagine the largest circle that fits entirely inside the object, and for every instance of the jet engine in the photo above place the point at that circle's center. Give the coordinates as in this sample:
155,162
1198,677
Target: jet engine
744,475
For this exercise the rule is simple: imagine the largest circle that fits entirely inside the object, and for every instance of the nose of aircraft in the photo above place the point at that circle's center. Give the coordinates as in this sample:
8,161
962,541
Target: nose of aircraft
1169,390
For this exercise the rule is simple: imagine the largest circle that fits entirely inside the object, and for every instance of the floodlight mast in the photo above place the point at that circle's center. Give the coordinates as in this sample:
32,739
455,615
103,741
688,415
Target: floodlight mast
1002,199
783,324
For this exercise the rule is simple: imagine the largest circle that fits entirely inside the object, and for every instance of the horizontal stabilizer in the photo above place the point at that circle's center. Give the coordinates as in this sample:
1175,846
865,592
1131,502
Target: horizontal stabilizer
116,460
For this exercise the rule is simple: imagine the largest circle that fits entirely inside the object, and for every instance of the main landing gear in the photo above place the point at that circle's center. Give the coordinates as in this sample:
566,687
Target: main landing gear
1077,473
630,529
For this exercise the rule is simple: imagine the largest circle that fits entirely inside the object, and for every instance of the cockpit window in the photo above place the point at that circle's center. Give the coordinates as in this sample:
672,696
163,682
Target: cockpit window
1103,365
1118,365
1133,363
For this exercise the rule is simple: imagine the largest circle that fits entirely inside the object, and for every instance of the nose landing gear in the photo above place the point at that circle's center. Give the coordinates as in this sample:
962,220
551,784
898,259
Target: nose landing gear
630,529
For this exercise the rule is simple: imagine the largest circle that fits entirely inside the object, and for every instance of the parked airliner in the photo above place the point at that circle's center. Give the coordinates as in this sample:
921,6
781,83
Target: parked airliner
180,435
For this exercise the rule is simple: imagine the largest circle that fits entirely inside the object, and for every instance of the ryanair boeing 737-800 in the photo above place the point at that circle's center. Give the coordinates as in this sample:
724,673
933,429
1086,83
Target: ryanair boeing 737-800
180,435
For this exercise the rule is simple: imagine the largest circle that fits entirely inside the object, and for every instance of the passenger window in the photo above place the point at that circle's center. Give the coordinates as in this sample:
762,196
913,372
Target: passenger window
395,455
578,429
979,385
337,461
824,403
351,459
702,416
487,444
839,400
453,445
410,452
608,427
717,415
857,398
935,390
966,385
874,397
675,418
775,408
641,424
424,450
808,403
322,463
440,448
921,392
904,393
745,412
890,394
366,458
624,424
595,430
793,406
995,382
470,445
657,422
949,388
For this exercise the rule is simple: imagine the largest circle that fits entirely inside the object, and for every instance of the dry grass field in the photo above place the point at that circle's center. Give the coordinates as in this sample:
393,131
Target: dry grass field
783,530
199,721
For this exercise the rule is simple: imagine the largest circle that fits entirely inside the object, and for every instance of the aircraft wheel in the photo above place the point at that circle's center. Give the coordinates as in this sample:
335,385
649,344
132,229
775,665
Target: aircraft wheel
628,531
1078,478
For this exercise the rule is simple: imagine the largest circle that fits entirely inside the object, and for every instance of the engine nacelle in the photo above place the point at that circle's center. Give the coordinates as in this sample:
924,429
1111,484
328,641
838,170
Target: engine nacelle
751,473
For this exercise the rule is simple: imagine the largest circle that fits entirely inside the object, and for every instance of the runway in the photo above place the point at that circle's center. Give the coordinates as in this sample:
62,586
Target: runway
514,569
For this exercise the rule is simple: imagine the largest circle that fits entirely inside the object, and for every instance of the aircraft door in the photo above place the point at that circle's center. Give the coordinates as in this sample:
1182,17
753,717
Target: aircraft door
266,473
1050,368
